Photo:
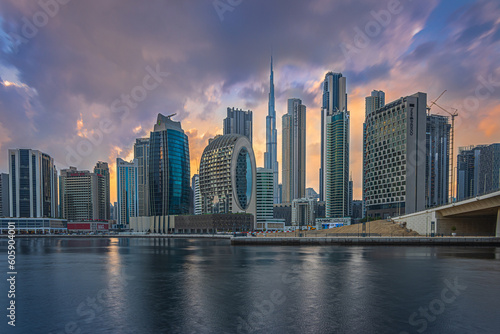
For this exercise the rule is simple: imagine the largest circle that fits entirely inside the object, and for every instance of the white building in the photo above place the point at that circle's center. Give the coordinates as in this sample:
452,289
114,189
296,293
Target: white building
195,185
265,194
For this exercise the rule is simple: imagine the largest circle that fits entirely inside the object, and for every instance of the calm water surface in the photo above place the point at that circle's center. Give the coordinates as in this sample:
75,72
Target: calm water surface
208,286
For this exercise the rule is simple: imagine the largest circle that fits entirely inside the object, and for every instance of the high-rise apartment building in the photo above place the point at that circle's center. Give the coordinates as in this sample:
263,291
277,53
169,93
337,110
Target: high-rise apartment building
102,168
294,151
438,160
395,157
228,176
271,154
169,170
141,155
265,194
195,186
127,191
32,184
335,142
82,195
478,170
238,122
4,195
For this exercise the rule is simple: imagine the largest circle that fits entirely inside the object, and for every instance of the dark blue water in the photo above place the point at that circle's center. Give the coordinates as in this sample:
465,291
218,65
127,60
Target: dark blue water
208,286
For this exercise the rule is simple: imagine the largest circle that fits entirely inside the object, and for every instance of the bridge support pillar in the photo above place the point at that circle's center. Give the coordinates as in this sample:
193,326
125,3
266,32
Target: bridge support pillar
498,224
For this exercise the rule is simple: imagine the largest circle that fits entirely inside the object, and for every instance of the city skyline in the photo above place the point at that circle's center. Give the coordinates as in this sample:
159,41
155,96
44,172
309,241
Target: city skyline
64,100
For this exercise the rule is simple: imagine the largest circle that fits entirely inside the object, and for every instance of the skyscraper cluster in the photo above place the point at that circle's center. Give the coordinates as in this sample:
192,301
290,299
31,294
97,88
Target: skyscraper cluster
406,167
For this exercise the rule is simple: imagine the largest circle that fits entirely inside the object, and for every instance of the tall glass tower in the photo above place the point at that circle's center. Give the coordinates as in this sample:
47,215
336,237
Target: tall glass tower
334,171
169,171
271,154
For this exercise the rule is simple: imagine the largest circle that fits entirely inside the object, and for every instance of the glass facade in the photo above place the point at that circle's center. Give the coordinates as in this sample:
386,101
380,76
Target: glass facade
169,173
243,178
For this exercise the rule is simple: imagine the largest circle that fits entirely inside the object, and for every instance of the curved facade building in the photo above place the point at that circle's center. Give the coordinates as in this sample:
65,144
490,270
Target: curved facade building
228,176
169,171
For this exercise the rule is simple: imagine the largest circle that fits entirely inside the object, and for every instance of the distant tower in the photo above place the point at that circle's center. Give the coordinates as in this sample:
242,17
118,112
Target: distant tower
127,190
294,151
195,185
102,168
238,122
141,155
271,154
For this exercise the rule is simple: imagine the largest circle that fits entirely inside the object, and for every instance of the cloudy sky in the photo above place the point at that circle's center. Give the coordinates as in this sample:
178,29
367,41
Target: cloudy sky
80,80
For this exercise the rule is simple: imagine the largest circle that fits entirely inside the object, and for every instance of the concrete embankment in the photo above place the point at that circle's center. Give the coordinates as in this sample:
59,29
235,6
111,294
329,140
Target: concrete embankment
372,241
107,236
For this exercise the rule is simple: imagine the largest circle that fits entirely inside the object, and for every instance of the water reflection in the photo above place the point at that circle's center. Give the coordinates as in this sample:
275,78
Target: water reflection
207,286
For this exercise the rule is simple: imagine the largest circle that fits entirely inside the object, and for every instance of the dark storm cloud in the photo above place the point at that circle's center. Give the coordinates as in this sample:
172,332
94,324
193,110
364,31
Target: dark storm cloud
93,52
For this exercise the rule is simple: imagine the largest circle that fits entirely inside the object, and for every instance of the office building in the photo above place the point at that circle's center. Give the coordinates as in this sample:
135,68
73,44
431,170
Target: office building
141,155
334,171
438,160
228,176
238,122
265,194
32,184
4,195
294,151
395,158
127,191
102,168
82,195
271,154
478,170
373,102
169,170
304,211
195,185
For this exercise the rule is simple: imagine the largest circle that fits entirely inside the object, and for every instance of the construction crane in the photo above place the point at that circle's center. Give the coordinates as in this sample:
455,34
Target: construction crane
434,102
453,114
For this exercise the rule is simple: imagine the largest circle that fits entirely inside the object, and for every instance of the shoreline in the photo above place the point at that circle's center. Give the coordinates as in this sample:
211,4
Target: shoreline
300,241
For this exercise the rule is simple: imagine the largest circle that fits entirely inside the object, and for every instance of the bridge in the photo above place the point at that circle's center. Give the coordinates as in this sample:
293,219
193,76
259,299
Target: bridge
478,216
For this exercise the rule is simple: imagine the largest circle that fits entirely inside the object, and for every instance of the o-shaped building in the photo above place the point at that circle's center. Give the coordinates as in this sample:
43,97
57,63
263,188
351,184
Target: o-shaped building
228,176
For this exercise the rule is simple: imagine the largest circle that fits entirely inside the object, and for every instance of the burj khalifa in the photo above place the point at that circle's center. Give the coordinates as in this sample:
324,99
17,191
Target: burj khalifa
271,154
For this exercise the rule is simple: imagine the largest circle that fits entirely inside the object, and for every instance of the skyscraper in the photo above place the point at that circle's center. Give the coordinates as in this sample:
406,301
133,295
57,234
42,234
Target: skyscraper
4,195
238,122
265,194
294,151
334,172
82,195
141,155
372,103
32,185
102,168
127,191
334,100
395,158
195,185
438,160
271,154
169,171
